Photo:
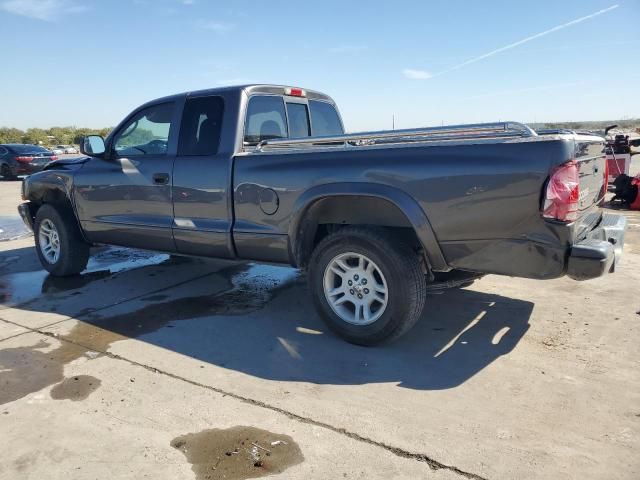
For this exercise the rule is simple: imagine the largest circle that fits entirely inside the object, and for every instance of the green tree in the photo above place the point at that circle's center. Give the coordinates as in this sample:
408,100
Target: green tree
35,136
10,135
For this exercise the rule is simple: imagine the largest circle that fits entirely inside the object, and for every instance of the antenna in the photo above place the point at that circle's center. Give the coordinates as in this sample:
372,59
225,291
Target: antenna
393,121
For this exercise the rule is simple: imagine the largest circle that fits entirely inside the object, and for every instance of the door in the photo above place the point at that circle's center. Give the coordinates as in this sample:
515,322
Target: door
126,200
201,179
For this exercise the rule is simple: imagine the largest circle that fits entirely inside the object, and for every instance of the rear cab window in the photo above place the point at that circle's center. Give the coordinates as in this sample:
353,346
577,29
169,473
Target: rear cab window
266,119
298,116
325,119
272,117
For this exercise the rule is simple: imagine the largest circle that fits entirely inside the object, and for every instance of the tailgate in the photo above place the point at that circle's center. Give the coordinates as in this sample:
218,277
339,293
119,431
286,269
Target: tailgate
592,171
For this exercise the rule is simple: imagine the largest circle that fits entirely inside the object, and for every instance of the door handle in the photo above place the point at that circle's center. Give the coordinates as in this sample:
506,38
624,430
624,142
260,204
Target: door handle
160,178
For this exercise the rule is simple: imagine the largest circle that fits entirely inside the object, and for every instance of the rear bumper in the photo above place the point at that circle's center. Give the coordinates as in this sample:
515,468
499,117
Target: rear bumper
600,252
28,168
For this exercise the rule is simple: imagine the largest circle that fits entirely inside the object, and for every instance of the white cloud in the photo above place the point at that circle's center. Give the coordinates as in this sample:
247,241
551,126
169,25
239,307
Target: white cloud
528,39
47,10
218,27
416,74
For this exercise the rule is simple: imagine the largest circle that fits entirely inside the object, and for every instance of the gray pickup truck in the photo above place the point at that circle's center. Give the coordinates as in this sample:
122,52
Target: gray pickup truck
266,173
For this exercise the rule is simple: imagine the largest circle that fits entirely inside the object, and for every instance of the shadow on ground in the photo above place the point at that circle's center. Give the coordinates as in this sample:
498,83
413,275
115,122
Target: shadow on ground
259,320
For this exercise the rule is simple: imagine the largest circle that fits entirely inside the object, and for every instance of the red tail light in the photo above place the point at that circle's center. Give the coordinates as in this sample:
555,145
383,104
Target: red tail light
24,159
53,157
563,193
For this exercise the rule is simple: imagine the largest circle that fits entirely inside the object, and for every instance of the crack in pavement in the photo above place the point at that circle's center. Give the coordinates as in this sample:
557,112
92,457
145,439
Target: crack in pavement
399,452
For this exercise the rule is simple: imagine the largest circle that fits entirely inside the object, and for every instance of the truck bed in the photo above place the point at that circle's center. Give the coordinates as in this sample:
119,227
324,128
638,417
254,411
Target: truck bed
480,193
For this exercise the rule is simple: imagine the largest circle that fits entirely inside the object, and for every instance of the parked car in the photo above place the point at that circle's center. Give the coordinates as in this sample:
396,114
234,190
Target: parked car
57,150
19,159
266,173
66,149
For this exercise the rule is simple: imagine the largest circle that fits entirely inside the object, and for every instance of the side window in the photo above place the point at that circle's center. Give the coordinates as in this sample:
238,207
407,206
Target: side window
325,119
201,124
298,120
3,151
147,133
265,119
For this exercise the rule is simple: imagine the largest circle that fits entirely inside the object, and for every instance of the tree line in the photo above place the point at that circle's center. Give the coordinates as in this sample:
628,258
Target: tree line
49,136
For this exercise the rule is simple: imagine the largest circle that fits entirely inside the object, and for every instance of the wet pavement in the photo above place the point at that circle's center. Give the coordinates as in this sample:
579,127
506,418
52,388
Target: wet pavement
161,366
12,228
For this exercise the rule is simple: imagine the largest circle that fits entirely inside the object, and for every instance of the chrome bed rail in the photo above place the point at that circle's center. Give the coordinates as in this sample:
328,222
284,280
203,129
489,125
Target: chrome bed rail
431,134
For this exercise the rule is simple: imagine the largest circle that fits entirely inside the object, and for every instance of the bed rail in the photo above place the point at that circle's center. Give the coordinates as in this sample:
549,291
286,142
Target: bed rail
431,134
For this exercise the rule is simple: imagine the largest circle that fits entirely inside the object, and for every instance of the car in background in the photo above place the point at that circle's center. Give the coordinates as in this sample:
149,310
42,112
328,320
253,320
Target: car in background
66,149
20,159
59,150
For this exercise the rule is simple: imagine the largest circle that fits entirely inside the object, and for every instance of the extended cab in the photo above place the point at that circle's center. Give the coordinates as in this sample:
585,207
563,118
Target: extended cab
266,173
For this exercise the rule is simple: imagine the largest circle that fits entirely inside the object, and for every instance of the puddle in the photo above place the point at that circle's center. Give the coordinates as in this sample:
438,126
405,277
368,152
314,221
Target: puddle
75,388
253,286
16,288
238,453
26,370
12,228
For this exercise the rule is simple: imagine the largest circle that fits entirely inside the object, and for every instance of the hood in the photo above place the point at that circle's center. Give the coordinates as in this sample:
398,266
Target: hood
66,163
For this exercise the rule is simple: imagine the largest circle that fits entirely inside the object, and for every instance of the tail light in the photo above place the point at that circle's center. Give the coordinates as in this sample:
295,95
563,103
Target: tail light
563,193
53,157
24,159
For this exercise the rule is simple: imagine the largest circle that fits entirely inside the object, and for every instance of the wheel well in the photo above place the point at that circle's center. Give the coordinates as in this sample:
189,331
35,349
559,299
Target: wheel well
54,197
328,215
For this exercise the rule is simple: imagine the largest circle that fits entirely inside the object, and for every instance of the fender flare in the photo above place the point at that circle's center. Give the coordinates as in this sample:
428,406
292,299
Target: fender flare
42,183
407,205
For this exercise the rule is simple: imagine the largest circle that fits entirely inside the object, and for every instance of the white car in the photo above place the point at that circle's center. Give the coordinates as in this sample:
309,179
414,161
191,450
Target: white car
66,148
59,150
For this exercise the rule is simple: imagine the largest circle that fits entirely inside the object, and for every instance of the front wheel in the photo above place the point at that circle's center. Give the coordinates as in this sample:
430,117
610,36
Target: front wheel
368,286
61,249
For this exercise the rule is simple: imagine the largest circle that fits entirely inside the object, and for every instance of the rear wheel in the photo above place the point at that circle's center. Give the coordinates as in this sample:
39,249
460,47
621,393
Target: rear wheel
59,244
368,286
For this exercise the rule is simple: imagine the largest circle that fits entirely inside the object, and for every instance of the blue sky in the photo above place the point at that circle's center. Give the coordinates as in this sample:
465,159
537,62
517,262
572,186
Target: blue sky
90,62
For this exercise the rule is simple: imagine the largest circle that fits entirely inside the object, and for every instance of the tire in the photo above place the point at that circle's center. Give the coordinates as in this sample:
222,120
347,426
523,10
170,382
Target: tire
6,173
73,251
396,268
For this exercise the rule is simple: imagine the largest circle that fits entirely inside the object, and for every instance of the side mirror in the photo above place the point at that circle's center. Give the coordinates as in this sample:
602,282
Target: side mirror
92,145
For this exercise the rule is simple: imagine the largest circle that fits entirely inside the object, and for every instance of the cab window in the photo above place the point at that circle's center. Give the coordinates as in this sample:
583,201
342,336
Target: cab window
324,119
298,120
147,133
266,119
201,125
